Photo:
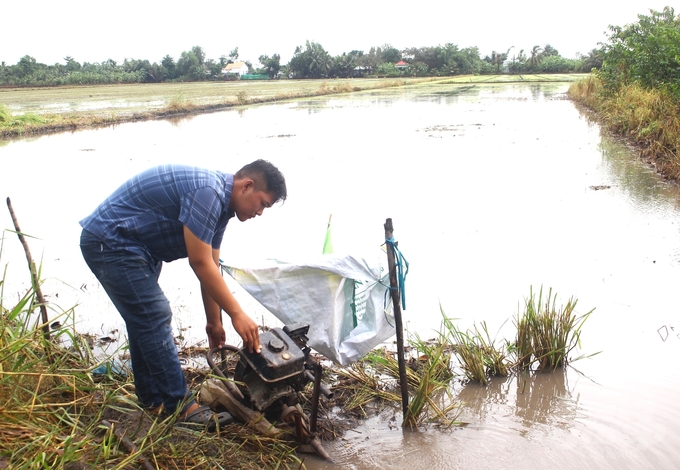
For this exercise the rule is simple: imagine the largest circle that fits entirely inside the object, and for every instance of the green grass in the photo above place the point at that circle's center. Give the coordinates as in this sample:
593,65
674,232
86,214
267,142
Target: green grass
7,120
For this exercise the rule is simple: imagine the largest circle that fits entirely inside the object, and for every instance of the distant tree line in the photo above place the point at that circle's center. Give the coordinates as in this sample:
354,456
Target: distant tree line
308,61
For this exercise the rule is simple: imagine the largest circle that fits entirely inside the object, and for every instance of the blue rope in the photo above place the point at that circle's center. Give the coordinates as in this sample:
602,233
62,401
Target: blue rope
402,269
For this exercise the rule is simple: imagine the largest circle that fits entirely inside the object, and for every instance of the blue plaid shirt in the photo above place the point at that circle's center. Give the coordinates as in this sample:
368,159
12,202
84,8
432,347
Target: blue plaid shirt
147,214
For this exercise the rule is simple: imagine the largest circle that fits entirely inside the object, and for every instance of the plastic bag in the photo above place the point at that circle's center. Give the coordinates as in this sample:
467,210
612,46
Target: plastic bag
343,298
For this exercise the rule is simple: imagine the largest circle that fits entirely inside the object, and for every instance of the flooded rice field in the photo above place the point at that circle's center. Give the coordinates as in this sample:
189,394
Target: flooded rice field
493,190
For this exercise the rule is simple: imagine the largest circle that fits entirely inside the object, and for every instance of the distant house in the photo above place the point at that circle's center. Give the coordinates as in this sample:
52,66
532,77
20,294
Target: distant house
401,65
360,71
235,68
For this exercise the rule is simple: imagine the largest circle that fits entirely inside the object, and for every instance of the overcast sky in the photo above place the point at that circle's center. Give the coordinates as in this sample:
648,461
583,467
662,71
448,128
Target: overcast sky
94,31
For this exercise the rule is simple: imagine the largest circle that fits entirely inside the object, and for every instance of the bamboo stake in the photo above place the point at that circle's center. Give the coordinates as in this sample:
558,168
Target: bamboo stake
394,285
34,274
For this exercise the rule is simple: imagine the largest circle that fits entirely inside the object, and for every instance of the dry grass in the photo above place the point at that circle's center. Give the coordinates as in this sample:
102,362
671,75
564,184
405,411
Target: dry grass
55,404
648,118
374,382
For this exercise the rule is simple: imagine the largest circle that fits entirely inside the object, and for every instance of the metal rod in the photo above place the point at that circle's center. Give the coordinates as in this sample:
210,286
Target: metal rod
231,387
318,372
394,287
327,392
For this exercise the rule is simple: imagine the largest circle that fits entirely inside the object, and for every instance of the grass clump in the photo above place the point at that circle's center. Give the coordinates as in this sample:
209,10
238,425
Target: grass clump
478,354
544,338
547,334
8,120
242,97
180,103
432,399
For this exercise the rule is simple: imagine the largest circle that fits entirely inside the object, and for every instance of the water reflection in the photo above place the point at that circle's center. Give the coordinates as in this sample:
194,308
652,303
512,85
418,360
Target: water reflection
638,180
178,121
545,399
532,399
482,402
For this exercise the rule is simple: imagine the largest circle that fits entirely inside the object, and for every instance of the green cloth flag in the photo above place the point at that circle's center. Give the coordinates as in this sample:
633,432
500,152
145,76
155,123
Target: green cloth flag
328,242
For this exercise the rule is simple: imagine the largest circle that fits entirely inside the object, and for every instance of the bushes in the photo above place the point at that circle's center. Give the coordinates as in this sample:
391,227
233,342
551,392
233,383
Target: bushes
636,93
646,53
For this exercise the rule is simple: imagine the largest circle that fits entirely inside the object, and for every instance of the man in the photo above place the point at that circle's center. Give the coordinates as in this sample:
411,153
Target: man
163,214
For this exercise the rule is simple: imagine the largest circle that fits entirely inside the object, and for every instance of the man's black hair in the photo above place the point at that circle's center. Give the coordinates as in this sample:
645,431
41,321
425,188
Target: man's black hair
267,175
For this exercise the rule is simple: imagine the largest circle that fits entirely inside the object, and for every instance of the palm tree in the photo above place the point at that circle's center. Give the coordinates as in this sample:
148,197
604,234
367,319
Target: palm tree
499,58
535,58
593,60
320,60
548,50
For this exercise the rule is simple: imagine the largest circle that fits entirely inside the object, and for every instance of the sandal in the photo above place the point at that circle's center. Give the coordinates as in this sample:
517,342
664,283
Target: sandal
205,418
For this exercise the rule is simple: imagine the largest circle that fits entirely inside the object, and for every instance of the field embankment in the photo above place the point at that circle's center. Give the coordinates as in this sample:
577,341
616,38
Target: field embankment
43,110
647,118
26,111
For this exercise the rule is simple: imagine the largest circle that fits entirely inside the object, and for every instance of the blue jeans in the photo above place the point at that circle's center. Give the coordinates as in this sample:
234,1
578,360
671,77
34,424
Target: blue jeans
131,283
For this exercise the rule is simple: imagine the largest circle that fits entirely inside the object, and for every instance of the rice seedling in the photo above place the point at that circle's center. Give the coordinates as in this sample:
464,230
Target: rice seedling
470,355
434,377
547,334
477,353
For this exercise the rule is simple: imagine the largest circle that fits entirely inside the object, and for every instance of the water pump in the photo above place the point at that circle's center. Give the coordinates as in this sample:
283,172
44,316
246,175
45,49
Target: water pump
271,381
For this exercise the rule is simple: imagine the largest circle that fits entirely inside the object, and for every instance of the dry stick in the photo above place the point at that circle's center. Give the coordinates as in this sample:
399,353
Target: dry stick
128,444
34,274
394,287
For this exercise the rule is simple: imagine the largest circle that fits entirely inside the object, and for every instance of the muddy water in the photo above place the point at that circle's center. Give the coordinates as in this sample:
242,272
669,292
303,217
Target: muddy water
493,190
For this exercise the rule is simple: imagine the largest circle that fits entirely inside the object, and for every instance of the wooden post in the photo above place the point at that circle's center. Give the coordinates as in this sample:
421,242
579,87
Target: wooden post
34,274
396,302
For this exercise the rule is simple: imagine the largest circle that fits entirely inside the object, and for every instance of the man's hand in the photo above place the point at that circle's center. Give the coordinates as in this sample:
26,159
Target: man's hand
216,335
247,330
204,260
